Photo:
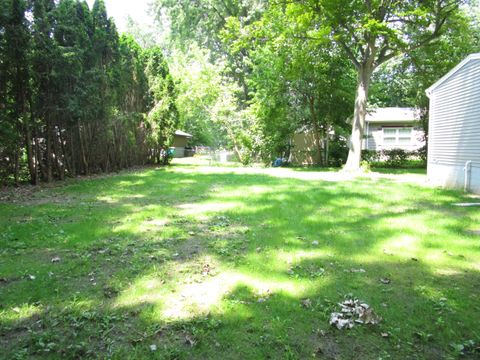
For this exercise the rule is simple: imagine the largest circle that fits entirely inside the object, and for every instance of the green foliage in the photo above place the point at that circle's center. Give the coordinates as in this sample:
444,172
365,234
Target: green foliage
198,84
395,158
163,117
403,82
74,95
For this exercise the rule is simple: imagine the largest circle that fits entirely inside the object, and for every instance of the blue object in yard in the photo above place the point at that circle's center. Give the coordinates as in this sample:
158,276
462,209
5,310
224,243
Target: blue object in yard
278,162
171,151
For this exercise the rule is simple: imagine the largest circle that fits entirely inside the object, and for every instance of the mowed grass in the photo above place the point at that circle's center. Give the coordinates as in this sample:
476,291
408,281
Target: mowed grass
198,262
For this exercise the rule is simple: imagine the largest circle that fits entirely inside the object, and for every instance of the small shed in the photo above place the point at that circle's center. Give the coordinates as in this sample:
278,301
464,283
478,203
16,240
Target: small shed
306,148
180,141
454,127
393,128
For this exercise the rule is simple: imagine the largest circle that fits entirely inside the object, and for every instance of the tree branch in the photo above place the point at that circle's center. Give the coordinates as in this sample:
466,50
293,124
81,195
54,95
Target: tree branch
349,53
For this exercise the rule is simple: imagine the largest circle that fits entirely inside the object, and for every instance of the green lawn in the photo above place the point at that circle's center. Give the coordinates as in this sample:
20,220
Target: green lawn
198,262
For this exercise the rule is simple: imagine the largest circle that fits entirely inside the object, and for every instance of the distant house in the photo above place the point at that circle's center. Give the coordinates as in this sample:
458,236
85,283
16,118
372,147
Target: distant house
393,128
180,141
454,127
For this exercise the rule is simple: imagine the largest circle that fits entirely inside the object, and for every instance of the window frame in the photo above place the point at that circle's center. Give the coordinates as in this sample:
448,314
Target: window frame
397,136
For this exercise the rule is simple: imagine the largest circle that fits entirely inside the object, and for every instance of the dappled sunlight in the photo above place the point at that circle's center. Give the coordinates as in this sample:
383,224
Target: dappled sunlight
205,295
288,258
405,244
316,175
202,209
263,255
19,313
115,199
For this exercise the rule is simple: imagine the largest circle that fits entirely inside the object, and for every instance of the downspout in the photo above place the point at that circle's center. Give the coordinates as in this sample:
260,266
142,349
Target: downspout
467,172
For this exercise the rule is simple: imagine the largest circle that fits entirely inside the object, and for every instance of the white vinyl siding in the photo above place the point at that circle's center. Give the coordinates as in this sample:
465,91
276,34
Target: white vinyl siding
454,135
455,118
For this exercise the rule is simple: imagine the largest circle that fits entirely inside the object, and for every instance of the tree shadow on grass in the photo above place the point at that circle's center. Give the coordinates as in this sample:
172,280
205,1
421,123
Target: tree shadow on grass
110,290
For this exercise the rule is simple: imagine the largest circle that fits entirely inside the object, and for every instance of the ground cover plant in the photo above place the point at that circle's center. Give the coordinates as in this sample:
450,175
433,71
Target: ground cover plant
203,262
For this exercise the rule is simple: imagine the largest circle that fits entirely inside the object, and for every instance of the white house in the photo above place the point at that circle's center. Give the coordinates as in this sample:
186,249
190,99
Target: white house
454,127
393,128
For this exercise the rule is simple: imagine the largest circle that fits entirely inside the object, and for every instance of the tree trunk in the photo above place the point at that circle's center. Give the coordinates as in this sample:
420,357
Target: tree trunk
82,150
31,156
358,123
49,152
326,149
16,165
316,131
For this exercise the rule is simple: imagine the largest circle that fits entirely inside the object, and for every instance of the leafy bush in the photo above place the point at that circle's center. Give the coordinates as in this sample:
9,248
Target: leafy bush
395,157
365,166
421,154
337,151
370,156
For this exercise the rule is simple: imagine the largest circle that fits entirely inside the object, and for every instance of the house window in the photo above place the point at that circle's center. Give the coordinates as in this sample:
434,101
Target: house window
397,136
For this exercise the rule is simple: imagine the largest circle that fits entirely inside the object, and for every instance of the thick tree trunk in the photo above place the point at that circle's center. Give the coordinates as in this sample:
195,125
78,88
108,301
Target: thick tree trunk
358,123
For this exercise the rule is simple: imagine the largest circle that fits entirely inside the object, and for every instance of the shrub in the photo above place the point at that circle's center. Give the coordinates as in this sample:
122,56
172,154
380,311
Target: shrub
337,151
395,157
370,156
365,166
421,154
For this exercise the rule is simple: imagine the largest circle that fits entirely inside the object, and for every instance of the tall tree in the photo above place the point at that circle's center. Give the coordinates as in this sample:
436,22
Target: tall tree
163,116
44,103
74,97
17,43
372,32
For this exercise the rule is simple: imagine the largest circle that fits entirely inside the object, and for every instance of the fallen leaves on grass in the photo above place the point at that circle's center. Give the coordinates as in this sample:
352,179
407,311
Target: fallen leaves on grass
355,270
353,311
307,303
206,270
264,296
189,340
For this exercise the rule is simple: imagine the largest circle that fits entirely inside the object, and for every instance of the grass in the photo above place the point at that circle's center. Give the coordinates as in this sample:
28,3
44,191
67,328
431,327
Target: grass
197,262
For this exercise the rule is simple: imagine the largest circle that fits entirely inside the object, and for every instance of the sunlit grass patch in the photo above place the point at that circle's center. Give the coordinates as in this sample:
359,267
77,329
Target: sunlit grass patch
213,262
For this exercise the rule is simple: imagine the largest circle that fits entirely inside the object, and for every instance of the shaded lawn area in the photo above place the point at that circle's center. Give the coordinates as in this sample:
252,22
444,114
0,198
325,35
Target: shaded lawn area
196,262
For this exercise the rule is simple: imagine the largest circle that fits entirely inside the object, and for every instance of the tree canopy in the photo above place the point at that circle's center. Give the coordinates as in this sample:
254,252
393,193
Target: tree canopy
246,75
77,98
